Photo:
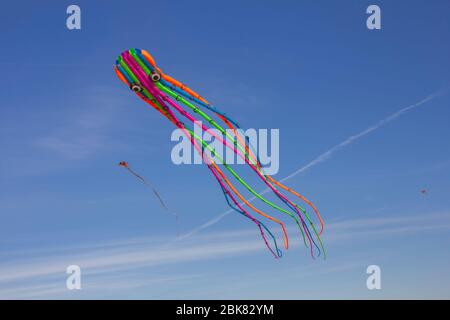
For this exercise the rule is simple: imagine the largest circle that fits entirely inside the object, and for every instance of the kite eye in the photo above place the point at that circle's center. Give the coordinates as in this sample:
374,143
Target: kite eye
135,87
155,76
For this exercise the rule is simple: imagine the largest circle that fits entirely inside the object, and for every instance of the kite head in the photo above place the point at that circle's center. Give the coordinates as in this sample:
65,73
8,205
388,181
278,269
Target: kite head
134,67
123,164
137,69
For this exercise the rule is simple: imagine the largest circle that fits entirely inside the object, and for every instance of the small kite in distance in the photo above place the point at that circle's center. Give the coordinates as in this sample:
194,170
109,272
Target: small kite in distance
125,165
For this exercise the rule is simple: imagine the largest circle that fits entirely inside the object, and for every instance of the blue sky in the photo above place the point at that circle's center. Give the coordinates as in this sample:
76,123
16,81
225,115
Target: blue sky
311,69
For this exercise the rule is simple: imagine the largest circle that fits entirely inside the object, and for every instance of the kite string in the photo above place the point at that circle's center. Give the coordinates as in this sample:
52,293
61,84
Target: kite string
155,192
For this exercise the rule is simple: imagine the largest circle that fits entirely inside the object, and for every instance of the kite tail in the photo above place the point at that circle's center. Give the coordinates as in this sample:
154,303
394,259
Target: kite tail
214,167
291,205
196,98
141,77
169,115
155,192
232,124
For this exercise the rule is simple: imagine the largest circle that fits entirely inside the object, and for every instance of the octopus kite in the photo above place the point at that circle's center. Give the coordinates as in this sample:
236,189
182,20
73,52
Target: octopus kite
184,108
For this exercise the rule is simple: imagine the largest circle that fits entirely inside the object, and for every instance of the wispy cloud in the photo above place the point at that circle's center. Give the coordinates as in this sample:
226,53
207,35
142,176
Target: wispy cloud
327,154
109,261
53,289
121,256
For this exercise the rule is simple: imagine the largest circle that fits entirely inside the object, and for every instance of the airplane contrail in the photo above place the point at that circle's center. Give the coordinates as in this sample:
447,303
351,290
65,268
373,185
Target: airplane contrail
327,154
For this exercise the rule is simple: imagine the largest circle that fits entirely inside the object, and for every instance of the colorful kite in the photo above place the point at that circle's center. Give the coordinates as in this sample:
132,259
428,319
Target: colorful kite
137,69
